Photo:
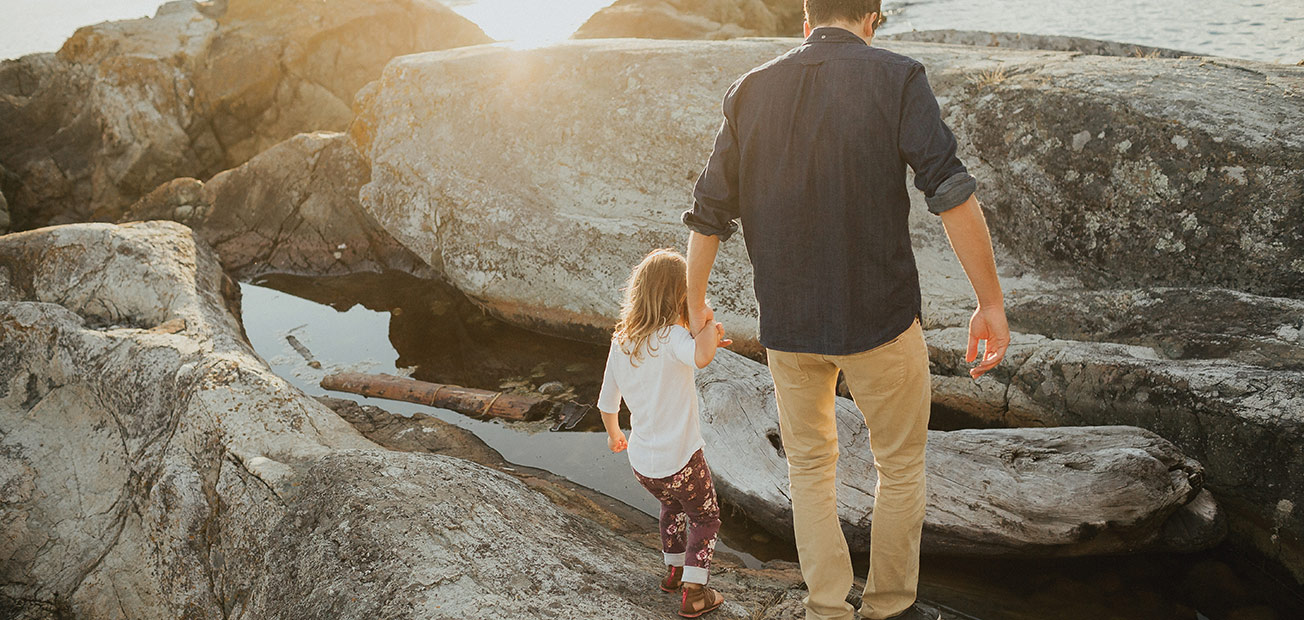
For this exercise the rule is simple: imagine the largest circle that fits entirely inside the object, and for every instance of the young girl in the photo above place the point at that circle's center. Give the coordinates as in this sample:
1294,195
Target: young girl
651,363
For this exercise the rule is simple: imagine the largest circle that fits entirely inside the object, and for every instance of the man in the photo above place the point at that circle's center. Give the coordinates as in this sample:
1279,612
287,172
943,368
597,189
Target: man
811,157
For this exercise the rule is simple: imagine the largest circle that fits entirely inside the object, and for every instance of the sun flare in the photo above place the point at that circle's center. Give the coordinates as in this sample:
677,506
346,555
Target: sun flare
528,23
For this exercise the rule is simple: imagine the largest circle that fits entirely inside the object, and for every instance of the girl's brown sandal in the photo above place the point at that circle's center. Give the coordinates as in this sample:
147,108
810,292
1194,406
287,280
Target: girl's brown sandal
698,600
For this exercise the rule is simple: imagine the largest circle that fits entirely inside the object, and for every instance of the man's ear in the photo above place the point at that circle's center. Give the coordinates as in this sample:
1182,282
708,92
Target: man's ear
805,28
870,24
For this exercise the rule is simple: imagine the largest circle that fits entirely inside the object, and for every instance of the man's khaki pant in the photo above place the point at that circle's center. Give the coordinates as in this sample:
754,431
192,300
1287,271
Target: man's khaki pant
890,385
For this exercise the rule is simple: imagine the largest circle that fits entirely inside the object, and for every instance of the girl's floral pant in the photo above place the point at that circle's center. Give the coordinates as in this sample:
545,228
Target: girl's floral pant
690,517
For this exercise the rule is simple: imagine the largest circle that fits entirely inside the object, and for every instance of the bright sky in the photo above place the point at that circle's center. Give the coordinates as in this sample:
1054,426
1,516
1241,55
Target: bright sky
528,23
29,26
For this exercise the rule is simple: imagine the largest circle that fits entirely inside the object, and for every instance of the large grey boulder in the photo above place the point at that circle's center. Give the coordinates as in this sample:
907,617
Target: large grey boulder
292,209
1102,178
200,87
151,466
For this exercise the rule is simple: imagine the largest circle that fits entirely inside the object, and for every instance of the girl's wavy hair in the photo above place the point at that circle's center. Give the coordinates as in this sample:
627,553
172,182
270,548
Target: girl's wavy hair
656,296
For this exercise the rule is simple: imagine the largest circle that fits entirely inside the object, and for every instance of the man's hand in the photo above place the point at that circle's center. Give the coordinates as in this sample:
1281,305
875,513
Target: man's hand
698,317
988,325
616,441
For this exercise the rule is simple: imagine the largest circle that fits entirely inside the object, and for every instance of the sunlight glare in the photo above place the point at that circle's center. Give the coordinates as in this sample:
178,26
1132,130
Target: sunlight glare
528,23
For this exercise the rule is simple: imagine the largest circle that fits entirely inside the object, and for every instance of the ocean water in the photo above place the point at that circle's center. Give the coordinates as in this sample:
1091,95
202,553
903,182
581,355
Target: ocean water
1270,30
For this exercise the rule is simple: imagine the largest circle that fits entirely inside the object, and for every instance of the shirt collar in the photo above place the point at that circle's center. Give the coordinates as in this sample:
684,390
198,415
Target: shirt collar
833,34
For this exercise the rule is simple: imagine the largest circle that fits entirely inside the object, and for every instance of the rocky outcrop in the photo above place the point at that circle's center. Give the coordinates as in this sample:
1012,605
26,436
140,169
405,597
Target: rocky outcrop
694,19
1129,198
772,591
200,87
1025,41
1130,172
292,209
151,466
1001,492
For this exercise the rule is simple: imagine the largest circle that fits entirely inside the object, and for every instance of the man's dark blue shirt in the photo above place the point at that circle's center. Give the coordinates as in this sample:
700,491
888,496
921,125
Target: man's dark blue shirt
812,158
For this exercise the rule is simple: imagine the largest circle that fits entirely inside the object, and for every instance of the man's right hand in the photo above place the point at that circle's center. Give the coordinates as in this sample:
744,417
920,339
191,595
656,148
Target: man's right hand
987,324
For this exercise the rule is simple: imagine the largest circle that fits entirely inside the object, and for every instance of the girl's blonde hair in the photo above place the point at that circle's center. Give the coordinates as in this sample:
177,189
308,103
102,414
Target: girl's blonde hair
656,296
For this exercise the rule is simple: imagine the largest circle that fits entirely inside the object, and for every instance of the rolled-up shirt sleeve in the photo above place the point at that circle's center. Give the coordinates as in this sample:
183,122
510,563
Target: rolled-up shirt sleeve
928,146
715,197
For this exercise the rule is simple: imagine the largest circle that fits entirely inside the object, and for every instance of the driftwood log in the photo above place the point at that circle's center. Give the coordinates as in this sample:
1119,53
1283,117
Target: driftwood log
470,401
1034,491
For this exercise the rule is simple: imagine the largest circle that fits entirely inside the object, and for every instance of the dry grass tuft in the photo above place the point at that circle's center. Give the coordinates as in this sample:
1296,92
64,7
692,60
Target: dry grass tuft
991,77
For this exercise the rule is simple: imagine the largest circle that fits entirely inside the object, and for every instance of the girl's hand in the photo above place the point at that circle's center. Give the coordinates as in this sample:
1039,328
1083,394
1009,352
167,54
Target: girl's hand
616,441
721,341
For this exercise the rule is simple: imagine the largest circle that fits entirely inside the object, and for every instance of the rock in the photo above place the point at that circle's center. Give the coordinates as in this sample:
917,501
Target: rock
148,474
774,588
1127,172
124,106
1109,255
292,209
613,166
552,388
4,215
1001,492
1024,41
694,19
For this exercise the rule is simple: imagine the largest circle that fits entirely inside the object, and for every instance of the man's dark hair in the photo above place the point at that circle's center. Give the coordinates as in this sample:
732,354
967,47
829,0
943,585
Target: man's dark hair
825,11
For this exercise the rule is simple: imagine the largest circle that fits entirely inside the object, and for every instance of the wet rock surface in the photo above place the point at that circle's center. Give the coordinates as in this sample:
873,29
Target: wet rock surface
1125,195
201,87
154,467
1026,41
293,209
694,19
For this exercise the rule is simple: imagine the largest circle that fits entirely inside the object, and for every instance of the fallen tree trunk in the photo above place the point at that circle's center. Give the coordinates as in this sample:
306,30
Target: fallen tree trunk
1033,491
465,400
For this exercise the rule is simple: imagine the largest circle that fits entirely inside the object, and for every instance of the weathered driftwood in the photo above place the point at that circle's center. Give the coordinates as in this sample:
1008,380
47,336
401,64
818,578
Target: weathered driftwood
303,351
1033,491
466,400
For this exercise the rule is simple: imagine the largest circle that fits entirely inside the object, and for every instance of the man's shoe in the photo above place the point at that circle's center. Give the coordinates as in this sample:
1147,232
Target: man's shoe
674,579
699,599
918,611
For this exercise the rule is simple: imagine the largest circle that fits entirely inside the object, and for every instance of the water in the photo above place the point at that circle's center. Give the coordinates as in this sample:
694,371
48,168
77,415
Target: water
397,324
1271,30
400,325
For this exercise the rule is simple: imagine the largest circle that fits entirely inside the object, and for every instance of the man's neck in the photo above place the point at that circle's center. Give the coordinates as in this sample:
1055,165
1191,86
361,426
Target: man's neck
849,27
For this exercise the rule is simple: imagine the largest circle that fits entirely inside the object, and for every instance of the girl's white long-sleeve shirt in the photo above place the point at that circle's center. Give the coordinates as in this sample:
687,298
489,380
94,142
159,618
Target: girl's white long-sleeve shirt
662,401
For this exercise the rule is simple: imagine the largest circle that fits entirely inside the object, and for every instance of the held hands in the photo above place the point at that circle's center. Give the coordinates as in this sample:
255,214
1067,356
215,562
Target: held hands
616,441
698,317
988,325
